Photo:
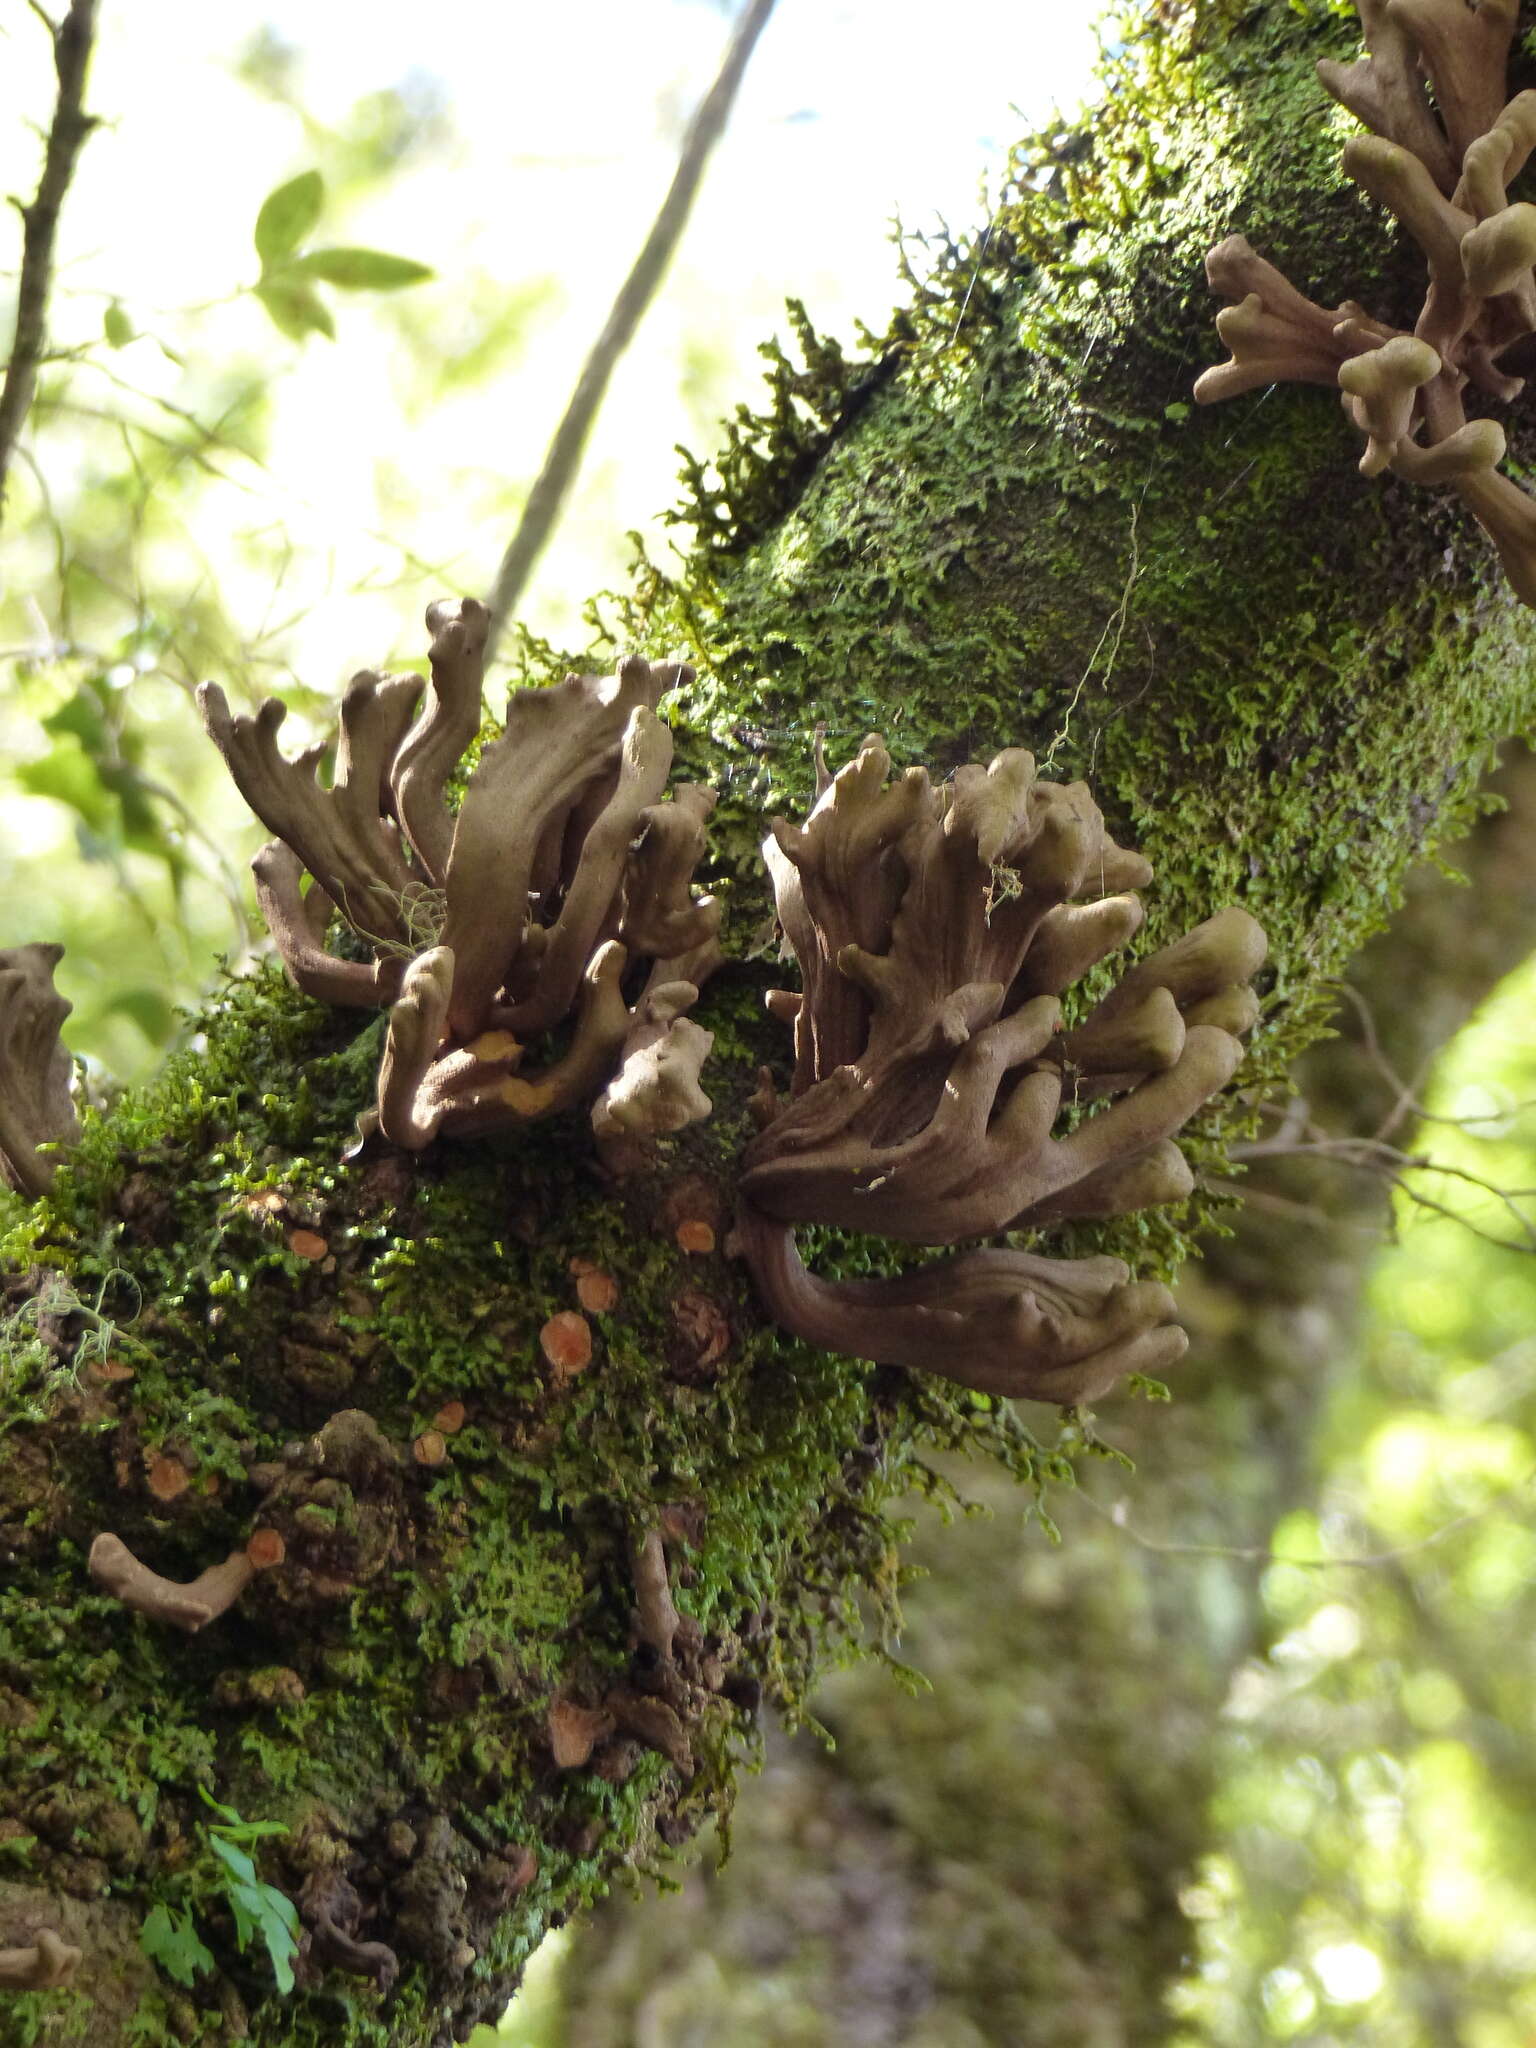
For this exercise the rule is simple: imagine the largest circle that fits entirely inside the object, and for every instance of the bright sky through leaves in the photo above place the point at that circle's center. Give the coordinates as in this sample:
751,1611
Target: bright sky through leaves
559,132
521,153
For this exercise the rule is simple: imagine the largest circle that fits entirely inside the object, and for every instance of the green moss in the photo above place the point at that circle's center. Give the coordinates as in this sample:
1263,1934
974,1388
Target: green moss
402,1662
52,2017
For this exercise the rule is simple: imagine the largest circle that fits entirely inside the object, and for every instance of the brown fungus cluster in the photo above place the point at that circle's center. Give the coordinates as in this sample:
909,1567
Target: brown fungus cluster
1444,152
936,930
493,925
37,1108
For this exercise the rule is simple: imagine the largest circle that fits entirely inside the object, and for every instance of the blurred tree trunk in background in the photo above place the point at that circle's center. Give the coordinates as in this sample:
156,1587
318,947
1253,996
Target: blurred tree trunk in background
999,1860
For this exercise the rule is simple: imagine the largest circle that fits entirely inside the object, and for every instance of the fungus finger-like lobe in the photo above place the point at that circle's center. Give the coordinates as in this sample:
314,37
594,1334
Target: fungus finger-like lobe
534,909
1386,90
574,1732
37,1108
661,917
1464,52
645,757
656,1090
1002,1322
46,1964
298,926
430,752
555,745
658,1616
937,1123
332,1911
352,851
189,1607
1276,335
409,1110
1443,151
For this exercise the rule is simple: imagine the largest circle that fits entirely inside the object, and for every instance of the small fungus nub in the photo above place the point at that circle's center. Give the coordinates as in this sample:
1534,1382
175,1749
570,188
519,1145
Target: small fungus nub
190,1607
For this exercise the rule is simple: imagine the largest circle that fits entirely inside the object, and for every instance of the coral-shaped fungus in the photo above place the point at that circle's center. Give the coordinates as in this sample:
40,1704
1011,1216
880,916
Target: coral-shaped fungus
936,930
1444,153
491,926
47,1962
191,1606
36,1106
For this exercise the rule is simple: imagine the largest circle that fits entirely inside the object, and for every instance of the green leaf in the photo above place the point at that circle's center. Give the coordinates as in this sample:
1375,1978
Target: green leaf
234,1860
282,1909
296,309
361,270
147,1008
245,1903
280,1932
80,715
69,777
170,1939
287,215
141,823
237,1828
116,326
262,1909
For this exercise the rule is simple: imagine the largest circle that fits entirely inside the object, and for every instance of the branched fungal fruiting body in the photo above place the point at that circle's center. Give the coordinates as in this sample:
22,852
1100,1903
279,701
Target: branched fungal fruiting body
1444,168
43,1966
36,1107
561,869
936,929
189,1607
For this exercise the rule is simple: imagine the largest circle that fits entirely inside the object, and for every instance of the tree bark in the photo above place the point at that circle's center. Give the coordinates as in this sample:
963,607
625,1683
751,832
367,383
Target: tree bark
999,1857
1283,683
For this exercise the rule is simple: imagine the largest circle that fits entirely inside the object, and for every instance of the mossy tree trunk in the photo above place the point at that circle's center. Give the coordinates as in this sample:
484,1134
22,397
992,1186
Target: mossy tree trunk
1283,683
1001,1858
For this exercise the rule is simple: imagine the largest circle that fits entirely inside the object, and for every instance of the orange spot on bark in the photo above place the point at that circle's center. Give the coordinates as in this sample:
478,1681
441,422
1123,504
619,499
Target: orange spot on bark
168,1478
574,1732
598,1293
265,1549
566,1342
695,1235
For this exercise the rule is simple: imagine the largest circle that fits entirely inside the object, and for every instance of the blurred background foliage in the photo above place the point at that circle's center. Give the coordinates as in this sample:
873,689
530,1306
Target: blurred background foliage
1377,1875
212,486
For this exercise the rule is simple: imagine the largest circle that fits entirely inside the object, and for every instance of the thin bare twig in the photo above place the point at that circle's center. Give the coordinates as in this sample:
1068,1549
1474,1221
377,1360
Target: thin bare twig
1407,1092
563,459
1262,1553
1300,1212
1392,1165
73,40
1114,632
1305,1212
